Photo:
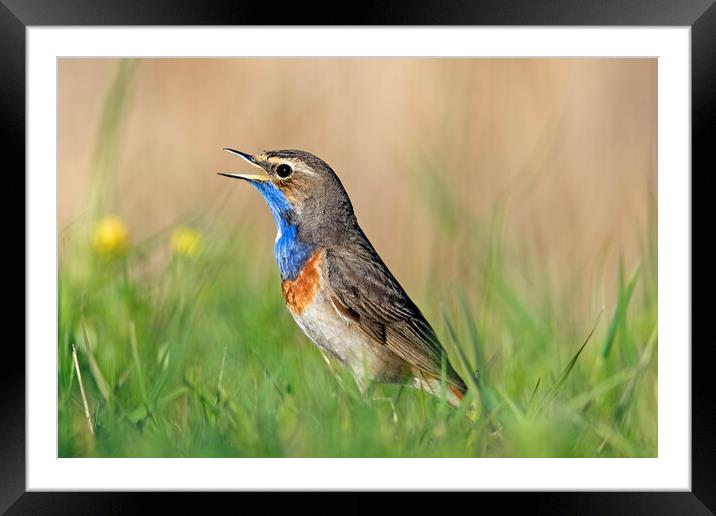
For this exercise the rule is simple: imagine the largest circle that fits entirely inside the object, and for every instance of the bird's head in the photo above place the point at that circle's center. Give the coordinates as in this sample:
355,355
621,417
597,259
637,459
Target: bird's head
300,189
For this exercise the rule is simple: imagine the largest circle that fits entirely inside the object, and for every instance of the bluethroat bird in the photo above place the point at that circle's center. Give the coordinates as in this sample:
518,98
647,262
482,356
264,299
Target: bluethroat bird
337,288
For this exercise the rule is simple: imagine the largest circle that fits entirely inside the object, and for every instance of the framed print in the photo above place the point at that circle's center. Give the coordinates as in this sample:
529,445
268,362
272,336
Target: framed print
407,255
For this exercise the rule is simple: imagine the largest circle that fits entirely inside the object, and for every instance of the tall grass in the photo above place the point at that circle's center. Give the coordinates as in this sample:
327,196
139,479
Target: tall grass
196,356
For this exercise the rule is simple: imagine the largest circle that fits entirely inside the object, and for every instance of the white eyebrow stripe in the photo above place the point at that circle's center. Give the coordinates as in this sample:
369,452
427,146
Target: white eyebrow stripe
295,165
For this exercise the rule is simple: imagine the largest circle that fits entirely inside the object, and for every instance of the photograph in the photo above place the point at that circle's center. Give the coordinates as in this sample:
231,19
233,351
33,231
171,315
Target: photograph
340,257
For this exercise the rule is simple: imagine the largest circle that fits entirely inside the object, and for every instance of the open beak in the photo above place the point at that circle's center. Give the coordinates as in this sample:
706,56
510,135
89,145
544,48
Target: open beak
252,161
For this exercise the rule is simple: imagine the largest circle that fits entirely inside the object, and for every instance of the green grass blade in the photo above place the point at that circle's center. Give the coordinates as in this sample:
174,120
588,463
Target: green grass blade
138,364
94,366
624,296
474,335
474,382
565,373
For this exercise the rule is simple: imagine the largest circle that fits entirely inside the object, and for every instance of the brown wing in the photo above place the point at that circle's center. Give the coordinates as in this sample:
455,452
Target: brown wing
364,291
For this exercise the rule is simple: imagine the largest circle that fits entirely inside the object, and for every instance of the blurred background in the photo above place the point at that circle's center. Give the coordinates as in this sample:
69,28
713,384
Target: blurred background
569,145
514,199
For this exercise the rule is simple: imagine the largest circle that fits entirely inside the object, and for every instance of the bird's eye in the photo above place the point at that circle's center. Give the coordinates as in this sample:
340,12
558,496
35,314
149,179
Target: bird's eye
283,171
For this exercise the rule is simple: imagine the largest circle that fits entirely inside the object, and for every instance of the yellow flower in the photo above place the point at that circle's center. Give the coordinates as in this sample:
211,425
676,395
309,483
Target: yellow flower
185,241
110,237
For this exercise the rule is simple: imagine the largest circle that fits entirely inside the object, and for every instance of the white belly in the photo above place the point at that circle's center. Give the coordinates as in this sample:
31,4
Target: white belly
343,339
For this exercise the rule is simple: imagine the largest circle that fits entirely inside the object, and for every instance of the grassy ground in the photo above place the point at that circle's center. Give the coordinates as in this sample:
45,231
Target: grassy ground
184,347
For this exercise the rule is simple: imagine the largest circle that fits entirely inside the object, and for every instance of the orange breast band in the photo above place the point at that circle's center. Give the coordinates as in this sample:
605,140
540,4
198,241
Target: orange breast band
299,293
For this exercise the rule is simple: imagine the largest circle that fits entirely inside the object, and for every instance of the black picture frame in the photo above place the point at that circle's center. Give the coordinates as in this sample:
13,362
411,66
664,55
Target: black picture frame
17,15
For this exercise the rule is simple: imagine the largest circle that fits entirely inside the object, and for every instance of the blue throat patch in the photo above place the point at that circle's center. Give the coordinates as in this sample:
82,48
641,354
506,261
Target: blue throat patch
291,254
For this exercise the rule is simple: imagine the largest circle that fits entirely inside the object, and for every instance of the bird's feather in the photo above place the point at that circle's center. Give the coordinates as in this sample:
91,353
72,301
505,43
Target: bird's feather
363,291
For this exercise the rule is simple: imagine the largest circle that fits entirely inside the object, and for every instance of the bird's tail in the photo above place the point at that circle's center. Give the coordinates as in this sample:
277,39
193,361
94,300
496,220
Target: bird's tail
456,394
